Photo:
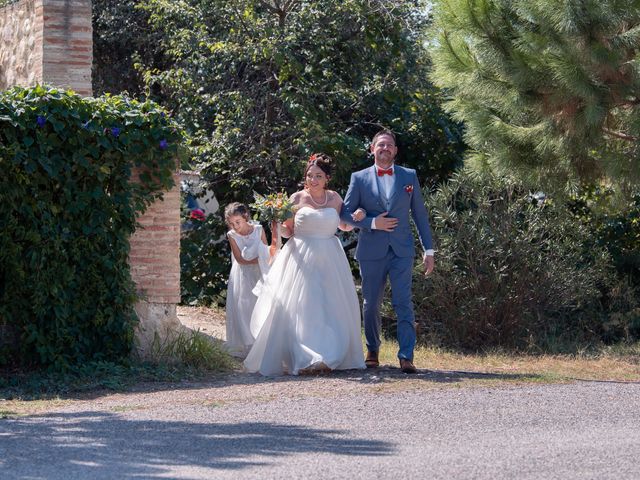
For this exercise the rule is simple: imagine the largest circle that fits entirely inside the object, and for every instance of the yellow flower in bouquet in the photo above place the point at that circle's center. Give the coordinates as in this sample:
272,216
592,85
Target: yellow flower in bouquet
272,207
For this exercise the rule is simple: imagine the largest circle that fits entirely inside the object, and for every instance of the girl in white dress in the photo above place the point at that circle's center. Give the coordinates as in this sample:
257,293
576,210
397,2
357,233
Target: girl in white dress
307,318
248,242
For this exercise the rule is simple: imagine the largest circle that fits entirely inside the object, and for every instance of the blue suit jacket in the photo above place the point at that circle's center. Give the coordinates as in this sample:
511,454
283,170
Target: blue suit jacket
406,200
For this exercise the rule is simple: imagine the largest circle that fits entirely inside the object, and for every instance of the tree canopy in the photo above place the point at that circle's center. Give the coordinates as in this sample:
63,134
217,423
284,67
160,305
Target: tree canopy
262,84
121,38
544,87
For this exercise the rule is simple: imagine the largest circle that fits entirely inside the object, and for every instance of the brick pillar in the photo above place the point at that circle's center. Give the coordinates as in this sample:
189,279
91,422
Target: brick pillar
47,41
155,268
67,44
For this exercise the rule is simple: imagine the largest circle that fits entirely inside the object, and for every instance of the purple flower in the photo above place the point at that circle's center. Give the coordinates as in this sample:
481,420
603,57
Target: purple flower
41,121
115,131
163,144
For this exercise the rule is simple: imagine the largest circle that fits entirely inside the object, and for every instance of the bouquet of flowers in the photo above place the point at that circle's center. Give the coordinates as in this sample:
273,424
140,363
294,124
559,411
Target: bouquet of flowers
273,207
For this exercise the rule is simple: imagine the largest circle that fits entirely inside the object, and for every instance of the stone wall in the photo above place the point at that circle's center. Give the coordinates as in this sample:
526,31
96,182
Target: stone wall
21,34
47,41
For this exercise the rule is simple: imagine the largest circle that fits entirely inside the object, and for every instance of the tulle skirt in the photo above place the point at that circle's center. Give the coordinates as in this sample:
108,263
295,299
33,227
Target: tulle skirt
307,313
240,303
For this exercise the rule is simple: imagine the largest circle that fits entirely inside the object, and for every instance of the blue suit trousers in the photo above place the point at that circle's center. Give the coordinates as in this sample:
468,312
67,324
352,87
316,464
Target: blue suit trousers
374,275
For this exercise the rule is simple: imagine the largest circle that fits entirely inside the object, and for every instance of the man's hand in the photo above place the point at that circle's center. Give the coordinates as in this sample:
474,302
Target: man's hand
386,224
428,262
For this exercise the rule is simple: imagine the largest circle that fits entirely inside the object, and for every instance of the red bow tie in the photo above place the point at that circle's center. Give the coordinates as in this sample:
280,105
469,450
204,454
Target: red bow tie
382,171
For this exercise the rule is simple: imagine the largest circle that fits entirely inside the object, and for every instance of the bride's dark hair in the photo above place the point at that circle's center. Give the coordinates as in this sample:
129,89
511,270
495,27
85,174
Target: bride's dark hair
320,160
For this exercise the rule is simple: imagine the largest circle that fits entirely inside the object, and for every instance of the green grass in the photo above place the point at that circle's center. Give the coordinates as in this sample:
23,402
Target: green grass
607,363
7,414
186,356
192,349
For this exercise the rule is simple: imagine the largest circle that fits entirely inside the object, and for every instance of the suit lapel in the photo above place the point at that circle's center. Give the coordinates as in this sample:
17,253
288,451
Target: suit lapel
375,188
398,177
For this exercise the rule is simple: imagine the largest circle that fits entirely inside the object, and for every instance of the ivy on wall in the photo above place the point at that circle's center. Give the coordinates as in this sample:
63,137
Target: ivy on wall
68,205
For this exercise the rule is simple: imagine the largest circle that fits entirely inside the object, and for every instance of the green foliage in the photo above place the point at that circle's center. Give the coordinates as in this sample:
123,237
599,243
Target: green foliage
121,38
92,376
513,272
545,88
614,227
260,85
67,208
205,263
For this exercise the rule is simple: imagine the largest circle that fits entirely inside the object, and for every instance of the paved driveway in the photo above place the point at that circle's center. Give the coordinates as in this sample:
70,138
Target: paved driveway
341,426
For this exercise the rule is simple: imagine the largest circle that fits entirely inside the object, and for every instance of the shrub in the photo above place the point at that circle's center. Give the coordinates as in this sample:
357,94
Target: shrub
513,272
67,208
205,262
614,220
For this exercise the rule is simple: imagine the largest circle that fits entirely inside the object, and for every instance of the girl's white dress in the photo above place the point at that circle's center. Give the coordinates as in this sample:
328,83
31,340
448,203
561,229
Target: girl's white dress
240,298
308,311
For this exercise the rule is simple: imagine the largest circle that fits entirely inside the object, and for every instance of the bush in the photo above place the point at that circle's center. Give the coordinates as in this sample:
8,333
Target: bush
516,272
205,262
67,208
614,220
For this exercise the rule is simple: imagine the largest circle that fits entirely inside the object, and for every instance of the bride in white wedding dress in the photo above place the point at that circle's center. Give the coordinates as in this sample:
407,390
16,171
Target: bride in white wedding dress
307,317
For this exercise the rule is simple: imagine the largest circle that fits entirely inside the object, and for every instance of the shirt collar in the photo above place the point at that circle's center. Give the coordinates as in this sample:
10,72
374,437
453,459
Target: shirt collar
392,167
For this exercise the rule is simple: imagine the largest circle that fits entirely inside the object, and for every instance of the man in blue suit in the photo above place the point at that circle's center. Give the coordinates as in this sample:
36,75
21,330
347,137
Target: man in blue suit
390,194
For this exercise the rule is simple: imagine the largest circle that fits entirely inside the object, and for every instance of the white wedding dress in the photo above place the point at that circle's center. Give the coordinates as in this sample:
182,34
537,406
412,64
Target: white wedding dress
308,312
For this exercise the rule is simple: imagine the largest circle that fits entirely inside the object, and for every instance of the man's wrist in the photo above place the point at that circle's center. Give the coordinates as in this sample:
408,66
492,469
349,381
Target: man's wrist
429,252
373,224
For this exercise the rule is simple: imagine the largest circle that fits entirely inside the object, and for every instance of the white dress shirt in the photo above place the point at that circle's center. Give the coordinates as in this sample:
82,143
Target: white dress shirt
386,183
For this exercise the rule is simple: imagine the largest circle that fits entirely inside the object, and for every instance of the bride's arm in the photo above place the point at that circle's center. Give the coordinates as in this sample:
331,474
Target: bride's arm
344,226
287,229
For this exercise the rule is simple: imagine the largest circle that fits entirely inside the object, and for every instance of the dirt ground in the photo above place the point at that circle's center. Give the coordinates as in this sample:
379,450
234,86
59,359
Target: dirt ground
209,321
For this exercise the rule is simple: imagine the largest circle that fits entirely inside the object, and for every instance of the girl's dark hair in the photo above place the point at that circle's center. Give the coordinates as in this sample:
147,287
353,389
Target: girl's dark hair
234,209
320,160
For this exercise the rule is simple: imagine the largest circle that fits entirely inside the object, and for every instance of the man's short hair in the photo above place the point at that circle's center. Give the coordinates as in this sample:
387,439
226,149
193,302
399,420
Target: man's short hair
381,133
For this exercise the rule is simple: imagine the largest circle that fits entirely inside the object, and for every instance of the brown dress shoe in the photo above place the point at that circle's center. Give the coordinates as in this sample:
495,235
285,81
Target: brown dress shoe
407,366
372,360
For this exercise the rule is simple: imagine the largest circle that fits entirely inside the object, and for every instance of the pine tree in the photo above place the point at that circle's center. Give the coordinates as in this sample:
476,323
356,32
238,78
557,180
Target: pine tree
545,87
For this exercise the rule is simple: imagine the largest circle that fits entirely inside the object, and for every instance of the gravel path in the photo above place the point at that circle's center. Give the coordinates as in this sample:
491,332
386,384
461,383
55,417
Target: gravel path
354,425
